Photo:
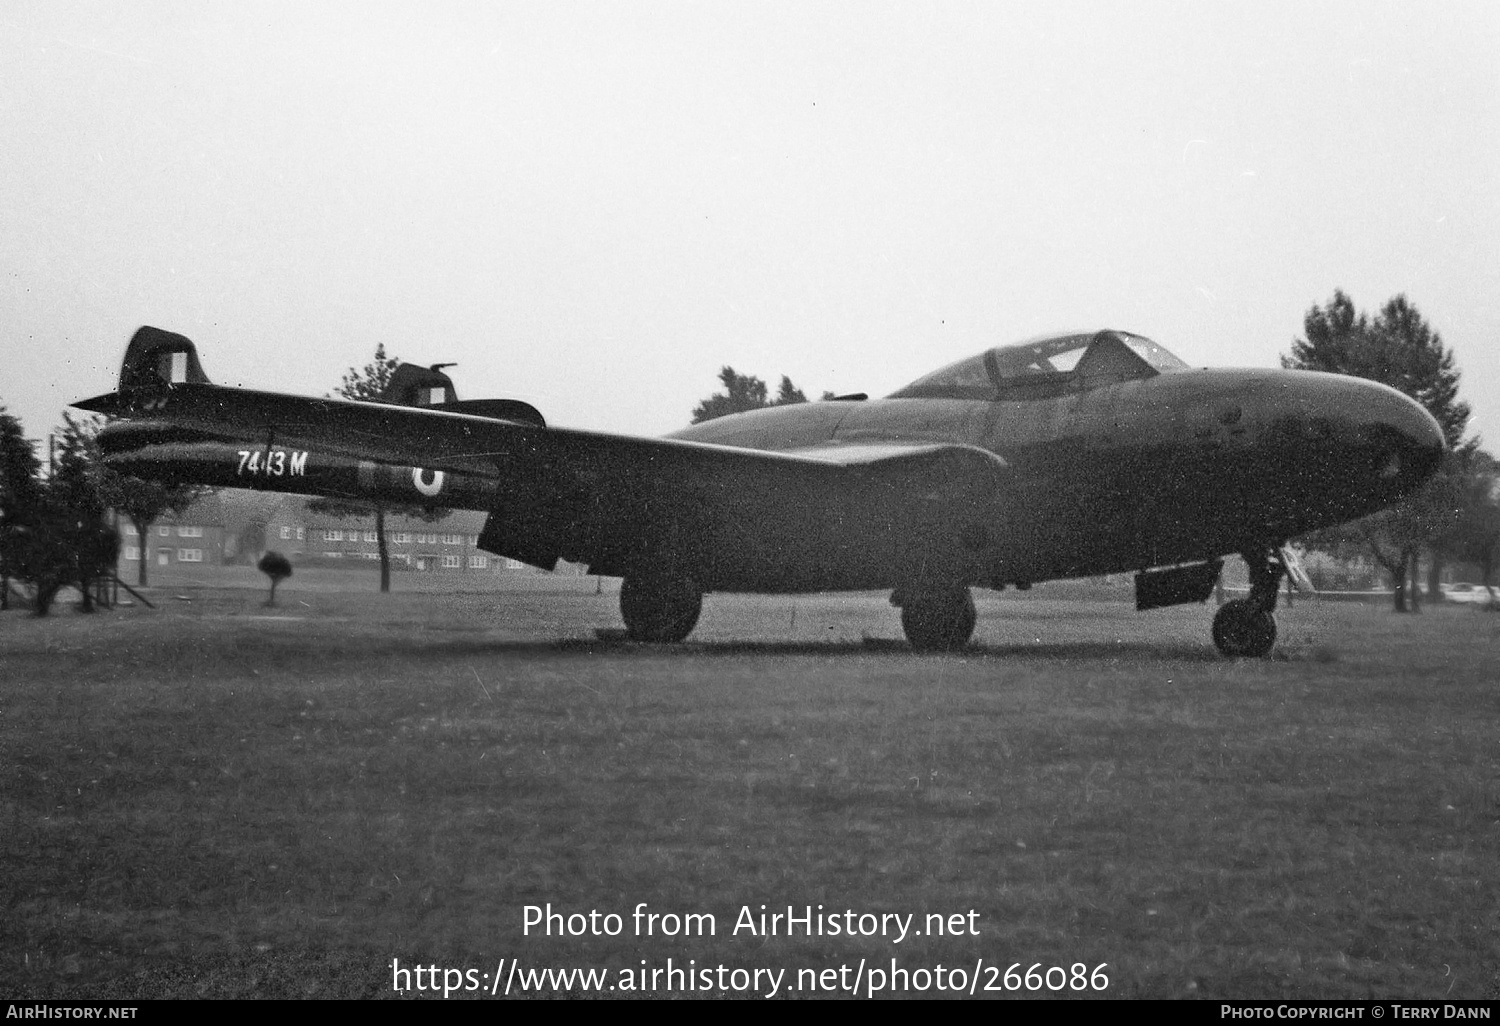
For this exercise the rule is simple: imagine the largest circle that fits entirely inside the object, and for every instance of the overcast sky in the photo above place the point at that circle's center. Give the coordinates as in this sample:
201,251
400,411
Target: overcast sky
595,206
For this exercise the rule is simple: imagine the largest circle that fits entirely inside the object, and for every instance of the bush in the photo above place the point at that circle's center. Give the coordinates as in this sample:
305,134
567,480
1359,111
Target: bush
278,568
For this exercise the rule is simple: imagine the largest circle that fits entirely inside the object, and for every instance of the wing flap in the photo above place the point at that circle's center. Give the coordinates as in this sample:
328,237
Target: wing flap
868,453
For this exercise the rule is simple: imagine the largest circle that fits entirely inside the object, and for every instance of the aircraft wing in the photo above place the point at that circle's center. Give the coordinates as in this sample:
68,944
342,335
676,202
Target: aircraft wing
616,501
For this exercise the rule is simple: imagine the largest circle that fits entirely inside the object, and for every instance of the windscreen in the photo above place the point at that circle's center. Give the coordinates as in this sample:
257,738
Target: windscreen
1046,367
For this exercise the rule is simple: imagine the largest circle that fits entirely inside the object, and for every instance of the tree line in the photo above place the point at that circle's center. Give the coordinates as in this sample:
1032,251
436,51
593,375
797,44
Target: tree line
55,529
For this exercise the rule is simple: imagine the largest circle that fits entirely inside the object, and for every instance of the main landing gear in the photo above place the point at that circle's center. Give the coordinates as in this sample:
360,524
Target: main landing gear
660,609
938,619
1246,627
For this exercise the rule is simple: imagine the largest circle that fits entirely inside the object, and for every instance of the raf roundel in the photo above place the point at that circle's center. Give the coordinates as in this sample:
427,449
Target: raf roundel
419,477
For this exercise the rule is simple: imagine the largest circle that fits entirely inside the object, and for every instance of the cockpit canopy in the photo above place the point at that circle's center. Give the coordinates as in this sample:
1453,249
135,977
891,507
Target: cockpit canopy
1045,368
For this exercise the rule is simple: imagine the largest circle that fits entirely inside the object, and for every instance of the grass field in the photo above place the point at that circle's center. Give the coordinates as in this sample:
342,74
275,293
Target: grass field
215,799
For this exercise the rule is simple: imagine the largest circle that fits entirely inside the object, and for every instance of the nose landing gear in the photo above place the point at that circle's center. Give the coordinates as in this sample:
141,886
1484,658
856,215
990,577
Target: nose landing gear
1246,627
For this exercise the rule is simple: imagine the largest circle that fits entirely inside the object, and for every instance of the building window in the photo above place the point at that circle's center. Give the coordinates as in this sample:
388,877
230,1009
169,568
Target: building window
129,530
189,532
370,536
132,552
401,537
478,562
189,555
286,533
163,530
354,534
452,562
333,555
453,539
299,533
333,535
371,555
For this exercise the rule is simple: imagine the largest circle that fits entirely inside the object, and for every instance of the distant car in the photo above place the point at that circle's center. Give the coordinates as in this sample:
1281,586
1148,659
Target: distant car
1477,594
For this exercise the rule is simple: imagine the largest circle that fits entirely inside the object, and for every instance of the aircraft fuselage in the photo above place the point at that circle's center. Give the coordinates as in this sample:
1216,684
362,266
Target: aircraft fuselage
1172,469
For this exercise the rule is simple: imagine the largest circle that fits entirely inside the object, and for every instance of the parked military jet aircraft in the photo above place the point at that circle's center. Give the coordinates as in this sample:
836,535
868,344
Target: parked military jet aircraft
1067,456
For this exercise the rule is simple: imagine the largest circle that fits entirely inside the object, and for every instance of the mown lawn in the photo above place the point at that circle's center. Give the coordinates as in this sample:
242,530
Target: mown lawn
215,799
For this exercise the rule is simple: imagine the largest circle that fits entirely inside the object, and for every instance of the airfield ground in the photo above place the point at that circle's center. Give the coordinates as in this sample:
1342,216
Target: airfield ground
216,799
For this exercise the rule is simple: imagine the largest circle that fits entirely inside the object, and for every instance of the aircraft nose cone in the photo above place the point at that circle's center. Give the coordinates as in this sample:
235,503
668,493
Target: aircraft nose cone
1342,447
1407,440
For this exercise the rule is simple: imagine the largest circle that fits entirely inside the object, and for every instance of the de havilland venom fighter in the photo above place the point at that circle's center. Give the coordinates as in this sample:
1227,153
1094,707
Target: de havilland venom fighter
1068,456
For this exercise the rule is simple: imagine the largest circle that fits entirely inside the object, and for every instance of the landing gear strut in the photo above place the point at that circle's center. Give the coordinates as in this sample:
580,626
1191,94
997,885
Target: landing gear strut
660,609
938,620
1246,627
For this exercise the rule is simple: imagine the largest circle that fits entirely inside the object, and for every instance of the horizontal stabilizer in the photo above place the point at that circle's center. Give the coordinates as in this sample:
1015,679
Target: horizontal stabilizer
430,388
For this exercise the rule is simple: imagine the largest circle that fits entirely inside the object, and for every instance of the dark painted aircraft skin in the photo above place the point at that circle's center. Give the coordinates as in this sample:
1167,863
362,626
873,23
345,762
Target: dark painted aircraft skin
1069,456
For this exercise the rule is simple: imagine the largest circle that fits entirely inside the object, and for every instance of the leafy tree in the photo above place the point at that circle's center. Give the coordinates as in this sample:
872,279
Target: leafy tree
369,385
1476,535
787,393
142,502
1398,348
20,497
744,392
277,567
64,539
77,509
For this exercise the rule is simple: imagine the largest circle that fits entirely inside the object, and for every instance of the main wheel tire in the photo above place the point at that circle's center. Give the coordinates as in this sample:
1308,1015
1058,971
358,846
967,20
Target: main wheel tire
938,621
663,610
1240,630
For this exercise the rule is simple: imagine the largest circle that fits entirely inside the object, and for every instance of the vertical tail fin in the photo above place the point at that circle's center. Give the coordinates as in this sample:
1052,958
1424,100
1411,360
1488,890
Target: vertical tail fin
155,358
412,385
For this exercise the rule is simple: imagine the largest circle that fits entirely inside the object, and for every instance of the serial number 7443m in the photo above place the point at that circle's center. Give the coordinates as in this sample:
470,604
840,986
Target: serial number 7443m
272,463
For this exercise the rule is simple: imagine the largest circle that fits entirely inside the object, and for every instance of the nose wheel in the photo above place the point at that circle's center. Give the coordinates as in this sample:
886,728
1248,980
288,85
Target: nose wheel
1241,630
1246,628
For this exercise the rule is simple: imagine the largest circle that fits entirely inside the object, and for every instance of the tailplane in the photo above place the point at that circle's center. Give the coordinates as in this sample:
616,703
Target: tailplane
156,360
429,387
